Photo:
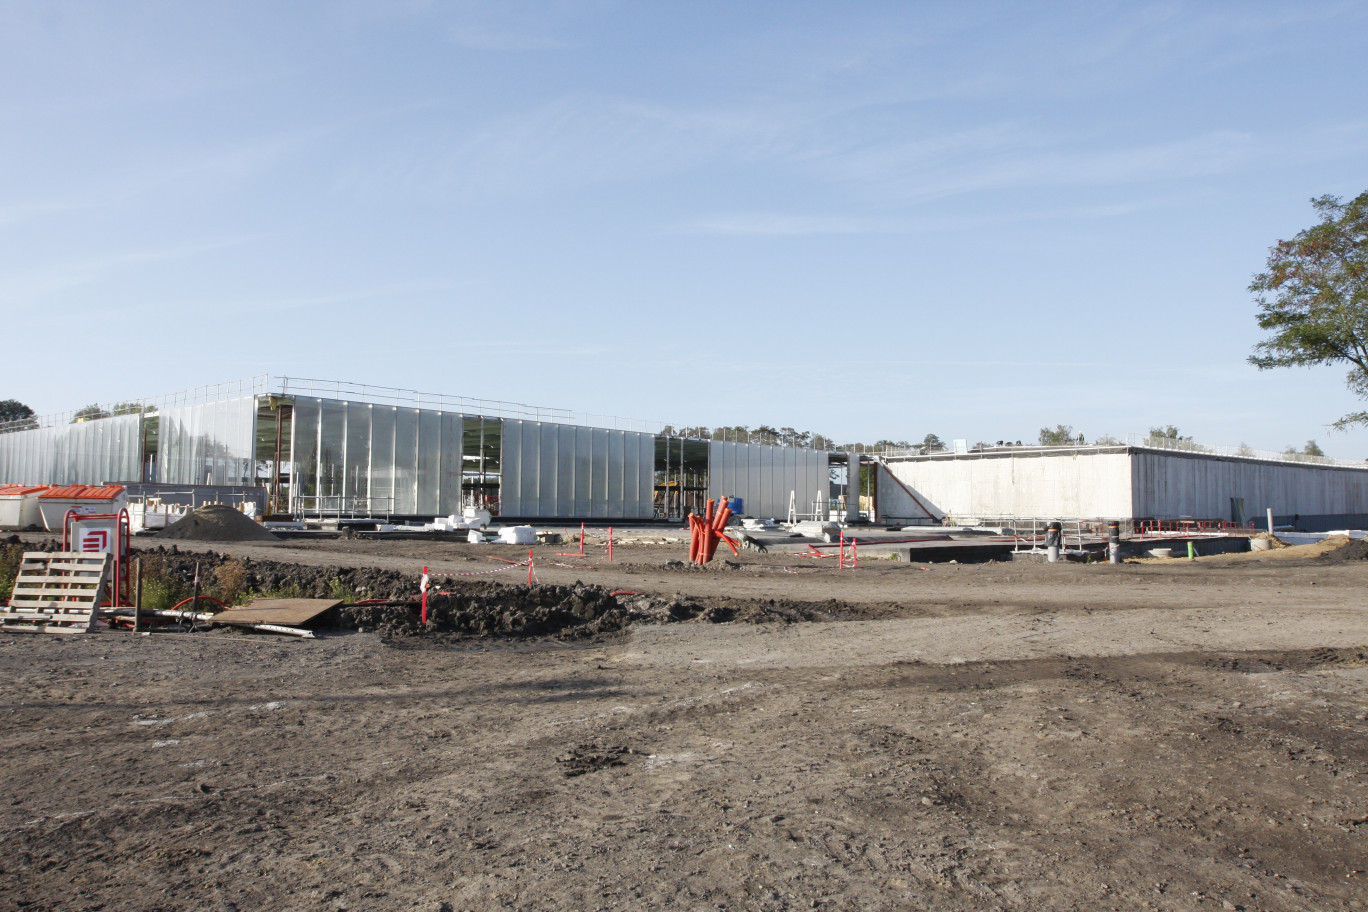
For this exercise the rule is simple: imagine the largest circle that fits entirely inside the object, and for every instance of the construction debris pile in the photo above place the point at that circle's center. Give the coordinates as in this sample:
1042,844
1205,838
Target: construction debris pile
217,522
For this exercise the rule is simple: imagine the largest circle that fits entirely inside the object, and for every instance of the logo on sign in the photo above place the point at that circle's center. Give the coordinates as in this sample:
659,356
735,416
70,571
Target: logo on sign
95,540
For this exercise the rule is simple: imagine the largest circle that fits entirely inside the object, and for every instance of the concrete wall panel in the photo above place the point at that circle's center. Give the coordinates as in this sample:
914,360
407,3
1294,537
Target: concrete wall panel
1084,484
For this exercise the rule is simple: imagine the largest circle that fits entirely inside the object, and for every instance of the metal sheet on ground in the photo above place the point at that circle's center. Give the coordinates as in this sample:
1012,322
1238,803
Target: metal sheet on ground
281,611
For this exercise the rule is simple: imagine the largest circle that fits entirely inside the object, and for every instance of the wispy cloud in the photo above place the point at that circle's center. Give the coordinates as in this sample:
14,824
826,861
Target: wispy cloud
31,288
481,24
1006,156
570,142
775,224
332,299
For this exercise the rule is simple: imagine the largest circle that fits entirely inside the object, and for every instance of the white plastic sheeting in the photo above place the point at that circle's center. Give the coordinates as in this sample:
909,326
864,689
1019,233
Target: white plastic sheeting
561,470
208,443
86,452
356,456
764,477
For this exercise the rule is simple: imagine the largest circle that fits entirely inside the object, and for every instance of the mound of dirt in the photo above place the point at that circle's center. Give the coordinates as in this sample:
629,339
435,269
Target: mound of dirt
216,522
1356,549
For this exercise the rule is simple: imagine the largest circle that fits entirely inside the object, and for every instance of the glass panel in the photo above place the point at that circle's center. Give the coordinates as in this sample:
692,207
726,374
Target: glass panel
429,460
382,458
405,461
546,471
449,476
332,452
357,481
304,451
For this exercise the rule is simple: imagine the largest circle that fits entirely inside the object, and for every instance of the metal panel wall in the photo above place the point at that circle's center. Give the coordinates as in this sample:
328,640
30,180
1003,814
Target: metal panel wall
87,452
1170,485
564,471
765,476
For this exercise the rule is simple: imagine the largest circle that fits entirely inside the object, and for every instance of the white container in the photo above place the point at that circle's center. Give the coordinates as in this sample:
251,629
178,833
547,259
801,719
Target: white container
518,535
19,506
54,503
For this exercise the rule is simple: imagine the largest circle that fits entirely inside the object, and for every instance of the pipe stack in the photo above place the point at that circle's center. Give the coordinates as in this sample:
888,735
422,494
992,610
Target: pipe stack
705,533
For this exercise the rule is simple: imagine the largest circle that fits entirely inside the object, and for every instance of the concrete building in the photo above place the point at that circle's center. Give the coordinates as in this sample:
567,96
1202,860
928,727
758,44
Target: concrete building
1126,482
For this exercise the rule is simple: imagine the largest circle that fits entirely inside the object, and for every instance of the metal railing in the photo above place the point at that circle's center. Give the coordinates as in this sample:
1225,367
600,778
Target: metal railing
252,386
1142,441
343,506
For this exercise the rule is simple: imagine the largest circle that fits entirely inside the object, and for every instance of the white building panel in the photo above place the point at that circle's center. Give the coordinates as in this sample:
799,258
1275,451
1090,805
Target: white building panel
765,476
557,470
1045,484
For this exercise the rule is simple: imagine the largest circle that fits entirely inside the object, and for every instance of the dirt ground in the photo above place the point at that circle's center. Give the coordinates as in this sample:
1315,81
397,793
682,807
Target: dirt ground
1160,735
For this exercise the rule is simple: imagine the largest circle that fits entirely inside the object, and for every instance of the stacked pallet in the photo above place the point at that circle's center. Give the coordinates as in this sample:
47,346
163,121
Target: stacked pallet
56,592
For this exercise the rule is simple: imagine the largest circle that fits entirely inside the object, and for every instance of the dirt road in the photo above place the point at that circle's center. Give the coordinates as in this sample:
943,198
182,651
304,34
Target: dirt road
999,736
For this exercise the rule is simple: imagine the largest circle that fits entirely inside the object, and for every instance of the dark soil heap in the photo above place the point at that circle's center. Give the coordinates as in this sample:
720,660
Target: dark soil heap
216,522
1357,549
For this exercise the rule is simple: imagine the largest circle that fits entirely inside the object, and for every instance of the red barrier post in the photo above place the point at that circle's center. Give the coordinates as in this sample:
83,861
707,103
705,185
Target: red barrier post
610,544
423,585
581,539
854,553
840,551
529,566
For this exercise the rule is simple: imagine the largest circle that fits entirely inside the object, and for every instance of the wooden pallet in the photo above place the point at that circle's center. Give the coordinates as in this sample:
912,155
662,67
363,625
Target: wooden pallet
56,592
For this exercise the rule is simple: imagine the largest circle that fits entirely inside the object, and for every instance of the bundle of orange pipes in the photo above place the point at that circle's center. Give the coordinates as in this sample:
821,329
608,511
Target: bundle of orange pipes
705,533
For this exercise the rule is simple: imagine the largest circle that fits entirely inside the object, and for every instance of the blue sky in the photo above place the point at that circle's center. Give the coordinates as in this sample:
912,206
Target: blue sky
874,220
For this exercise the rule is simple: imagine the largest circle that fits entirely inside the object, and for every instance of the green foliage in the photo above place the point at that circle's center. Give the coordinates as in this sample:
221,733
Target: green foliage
340,590
1312,449
289,590
1061,435
14,410
130,408
932,444
10,556
89,413
1313,297
1160,435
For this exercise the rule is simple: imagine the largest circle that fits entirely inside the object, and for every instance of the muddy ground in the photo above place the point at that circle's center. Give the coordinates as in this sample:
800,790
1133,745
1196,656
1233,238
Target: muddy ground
770,734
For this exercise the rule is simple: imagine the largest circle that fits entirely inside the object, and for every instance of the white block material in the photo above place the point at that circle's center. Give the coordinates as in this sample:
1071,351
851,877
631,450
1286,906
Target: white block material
518,535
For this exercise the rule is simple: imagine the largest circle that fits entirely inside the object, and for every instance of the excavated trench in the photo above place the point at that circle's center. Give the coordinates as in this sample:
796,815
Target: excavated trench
387,602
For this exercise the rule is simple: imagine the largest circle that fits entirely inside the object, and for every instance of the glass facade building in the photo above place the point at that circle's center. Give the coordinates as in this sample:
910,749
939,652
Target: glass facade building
354,456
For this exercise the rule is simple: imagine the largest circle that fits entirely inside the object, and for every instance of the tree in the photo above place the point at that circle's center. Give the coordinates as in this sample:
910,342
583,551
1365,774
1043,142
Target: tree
932,444
1313,297
130,408
1062,435
1312,449
14,410
89,413
1167,435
